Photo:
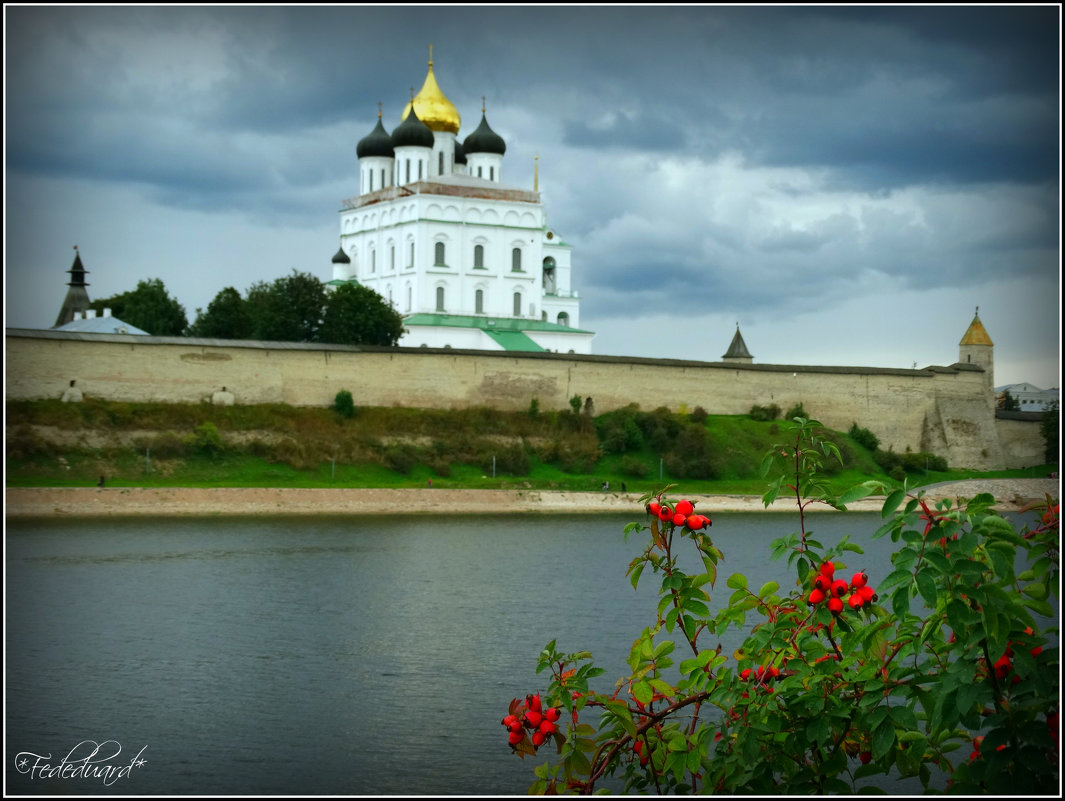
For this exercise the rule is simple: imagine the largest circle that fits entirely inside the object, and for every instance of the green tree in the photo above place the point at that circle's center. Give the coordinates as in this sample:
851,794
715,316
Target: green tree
1009,403
288,310
226,317
1049,426
148,307
356,315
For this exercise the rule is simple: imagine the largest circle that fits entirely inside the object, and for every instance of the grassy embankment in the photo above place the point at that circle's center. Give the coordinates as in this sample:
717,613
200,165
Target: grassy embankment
52,444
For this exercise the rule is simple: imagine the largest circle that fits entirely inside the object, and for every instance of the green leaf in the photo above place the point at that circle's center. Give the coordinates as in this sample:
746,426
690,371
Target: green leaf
635,576
856,493
737,581
642,692
883,738
926,585
891,503
769,588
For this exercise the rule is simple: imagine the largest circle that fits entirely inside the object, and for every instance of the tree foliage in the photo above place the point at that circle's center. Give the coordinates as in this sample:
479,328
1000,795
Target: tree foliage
356,315
148,307
287,310
226,317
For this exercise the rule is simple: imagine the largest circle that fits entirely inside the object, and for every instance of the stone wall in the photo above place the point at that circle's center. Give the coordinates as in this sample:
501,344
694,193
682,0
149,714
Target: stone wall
942,409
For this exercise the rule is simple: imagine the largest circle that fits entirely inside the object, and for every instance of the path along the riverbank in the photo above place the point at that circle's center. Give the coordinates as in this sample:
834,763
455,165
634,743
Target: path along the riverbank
1012,494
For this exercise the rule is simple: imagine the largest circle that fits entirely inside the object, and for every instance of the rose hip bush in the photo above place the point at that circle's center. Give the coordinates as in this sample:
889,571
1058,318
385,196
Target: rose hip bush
938,666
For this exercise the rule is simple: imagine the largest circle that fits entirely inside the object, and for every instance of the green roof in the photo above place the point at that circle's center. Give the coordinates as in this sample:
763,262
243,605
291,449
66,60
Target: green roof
341,282
514,340
489,324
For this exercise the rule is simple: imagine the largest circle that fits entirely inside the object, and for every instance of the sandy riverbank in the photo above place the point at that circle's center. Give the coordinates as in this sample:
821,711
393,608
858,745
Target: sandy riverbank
119,502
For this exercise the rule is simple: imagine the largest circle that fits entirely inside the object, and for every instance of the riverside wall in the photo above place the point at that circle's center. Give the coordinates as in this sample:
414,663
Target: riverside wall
946,410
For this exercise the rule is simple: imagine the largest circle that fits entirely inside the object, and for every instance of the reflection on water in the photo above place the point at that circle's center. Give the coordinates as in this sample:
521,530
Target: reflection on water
332,655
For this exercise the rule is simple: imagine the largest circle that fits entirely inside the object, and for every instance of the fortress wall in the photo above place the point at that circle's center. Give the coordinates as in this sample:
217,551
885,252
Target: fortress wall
904,408
1021,441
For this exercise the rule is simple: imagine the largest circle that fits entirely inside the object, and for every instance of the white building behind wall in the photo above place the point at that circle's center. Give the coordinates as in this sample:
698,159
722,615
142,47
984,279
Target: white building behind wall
469,261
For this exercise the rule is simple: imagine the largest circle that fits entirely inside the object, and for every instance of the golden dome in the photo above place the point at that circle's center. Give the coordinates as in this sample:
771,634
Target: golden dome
432,106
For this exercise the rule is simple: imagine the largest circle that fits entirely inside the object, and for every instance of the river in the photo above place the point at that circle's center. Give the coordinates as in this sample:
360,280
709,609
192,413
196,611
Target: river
328,655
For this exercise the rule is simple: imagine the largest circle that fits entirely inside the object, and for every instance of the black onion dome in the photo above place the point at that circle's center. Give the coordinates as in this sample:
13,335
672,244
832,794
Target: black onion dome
412,132
340,257
484,140
376,143
460,153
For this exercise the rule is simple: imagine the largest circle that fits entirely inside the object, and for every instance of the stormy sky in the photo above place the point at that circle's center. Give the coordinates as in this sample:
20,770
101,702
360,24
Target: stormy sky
846,184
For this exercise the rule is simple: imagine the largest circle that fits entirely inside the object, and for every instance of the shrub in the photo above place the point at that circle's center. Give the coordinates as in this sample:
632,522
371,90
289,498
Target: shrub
344,404
206,440
864,437
764,413
837,680
401,458
796,411
534,408
631,466
699,415
512,459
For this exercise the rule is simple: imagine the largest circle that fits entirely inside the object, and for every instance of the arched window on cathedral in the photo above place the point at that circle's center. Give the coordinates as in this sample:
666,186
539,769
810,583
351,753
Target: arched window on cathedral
478,256
478,301
515,260
392,259
440,163
373,261
491,173
440,299
411,265
563,319
517,304
439,255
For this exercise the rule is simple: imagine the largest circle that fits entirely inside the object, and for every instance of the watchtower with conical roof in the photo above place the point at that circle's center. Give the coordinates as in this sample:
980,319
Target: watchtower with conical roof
77,299
737,352
976,348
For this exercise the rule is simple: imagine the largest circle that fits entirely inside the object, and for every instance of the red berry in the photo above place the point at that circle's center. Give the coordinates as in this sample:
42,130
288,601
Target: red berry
533,702
538,738
839,588
859,579
822,582
664,514
815,597
835,605
533,719
552,713
509,721
867,594
679,518
653,508
697,522
745,674
686,508
547,727
828,568
855,601
515,737
866,757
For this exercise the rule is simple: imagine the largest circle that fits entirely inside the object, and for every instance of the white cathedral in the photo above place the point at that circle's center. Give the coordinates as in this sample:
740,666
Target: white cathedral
468,260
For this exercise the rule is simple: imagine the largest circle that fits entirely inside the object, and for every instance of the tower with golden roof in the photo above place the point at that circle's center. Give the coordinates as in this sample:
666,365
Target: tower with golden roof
976,348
